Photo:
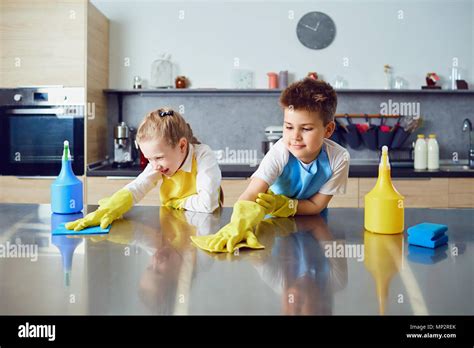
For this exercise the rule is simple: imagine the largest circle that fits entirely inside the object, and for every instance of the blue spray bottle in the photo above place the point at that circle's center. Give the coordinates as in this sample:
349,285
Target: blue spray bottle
66,190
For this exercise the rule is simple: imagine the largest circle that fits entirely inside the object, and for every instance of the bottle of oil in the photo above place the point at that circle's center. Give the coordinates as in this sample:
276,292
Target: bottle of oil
384,210
66,190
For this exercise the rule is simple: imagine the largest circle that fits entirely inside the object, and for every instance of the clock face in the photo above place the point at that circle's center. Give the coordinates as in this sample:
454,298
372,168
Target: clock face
316,30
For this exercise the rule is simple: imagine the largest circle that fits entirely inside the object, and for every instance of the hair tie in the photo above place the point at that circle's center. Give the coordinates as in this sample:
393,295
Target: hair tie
163,113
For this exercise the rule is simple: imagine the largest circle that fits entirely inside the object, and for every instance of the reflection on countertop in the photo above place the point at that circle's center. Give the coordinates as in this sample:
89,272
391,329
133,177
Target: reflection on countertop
324,264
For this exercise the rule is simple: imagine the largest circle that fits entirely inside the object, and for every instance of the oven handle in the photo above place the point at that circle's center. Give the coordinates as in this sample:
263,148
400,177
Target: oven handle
59,112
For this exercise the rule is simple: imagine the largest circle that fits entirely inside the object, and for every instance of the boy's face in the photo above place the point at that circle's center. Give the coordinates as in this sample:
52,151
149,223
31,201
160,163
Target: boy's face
303,133
162,156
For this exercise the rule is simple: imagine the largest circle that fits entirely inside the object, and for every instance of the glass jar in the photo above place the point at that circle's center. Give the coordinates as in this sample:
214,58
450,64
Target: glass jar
137,82
162,73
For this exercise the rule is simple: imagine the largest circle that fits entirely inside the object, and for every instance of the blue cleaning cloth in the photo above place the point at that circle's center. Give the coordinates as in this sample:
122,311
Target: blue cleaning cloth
62,230
427,235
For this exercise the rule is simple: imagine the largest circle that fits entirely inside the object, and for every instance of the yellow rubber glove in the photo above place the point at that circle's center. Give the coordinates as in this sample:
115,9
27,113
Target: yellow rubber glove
277,205
176,203
110,209
236,234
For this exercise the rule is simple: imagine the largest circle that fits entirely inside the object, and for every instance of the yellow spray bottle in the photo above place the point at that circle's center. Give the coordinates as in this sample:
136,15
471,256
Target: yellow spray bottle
384,210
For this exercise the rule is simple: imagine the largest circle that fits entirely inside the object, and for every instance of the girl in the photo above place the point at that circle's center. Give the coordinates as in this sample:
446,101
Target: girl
185,170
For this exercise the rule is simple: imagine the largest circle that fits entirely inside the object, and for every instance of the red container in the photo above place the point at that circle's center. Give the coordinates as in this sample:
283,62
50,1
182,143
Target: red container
143,161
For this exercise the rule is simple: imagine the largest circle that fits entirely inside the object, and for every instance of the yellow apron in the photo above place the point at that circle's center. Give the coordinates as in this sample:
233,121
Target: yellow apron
181,185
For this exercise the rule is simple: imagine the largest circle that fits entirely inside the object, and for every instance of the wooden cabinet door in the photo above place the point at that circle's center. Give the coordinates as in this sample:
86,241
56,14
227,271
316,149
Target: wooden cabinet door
461,192
26,190
418,192
42,43
350,199
233,189
100,187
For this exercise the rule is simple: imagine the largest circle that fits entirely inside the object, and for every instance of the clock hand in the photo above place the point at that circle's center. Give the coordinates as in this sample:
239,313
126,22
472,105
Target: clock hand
317,26
307,26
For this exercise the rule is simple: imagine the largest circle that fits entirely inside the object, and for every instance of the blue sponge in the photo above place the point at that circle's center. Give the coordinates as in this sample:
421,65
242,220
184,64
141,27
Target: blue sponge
427,256
62,230
427,235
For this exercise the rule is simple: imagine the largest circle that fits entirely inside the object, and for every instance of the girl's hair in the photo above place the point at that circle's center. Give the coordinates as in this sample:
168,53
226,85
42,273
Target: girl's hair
167,124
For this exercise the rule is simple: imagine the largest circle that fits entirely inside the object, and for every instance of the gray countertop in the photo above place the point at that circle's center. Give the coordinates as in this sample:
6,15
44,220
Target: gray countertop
311,265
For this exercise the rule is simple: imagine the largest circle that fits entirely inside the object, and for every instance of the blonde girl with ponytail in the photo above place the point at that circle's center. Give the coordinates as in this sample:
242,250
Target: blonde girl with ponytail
185,170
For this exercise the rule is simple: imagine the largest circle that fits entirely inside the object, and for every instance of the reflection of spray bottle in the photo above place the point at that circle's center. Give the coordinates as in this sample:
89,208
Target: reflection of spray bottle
383,257
66,190
384,211
65,245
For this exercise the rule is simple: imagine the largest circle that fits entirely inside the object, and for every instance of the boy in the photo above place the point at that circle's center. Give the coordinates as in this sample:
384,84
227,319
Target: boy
304,165
299,175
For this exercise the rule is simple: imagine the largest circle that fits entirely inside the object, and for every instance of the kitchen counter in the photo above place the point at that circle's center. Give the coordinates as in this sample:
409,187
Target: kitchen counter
311,265
356,171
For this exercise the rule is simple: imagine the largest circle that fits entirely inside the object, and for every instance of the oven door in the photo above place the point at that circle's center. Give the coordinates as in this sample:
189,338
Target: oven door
32,140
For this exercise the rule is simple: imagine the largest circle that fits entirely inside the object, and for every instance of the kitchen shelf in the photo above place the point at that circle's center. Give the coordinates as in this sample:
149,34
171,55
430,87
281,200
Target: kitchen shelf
260,91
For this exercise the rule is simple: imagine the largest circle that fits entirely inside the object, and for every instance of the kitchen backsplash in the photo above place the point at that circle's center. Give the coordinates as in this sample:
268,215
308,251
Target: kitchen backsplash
234,123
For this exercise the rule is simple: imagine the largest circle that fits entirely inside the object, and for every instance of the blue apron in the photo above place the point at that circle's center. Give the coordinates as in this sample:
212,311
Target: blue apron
298,182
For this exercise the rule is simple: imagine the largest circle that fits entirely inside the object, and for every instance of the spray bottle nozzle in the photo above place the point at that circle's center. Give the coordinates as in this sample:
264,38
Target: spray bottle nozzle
66,151
384,162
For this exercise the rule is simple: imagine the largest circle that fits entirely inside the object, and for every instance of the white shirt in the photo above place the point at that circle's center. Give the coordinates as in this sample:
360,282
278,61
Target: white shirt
276,159
208,180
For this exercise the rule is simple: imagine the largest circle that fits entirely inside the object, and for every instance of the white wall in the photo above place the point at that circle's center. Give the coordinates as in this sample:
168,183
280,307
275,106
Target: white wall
369,33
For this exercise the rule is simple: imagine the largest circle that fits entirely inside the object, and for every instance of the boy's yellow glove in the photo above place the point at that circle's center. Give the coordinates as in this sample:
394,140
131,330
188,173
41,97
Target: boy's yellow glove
277,205
110,209
236,234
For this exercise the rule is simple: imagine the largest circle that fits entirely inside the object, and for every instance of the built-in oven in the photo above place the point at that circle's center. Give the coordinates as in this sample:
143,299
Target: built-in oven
34,123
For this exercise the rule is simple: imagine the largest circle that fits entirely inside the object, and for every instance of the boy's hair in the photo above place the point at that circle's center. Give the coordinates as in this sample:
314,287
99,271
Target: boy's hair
167,124
311,95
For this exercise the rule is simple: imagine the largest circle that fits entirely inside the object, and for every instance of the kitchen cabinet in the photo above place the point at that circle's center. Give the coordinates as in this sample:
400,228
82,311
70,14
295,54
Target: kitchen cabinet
65,43
418,192
461,193
426,192
100,187
43,43
348,200
233,189
26,190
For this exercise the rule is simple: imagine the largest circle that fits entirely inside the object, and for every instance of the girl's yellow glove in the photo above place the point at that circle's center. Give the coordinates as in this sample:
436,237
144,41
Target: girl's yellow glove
110,209
277,205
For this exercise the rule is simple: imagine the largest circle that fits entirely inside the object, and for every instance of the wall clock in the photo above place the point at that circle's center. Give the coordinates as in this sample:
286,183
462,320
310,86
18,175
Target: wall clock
316,30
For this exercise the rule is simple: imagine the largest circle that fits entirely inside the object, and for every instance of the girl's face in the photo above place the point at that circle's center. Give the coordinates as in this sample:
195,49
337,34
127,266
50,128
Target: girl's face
163,157
304,132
